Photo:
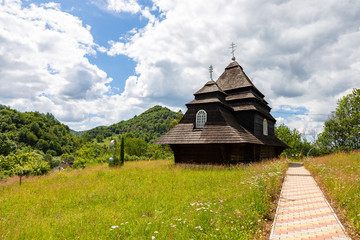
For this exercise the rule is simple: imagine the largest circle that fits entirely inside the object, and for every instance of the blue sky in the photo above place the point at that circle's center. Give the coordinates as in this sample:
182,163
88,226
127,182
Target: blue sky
105,25
97,62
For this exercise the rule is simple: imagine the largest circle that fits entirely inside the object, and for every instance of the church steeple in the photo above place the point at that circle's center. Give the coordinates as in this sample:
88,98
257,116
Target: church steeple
233,47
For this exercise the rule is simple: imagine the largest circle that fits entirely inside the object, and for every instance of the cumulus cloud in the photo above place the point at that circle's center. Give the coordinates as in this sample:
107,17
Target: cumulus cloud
299,53
126,6
130,6
44,65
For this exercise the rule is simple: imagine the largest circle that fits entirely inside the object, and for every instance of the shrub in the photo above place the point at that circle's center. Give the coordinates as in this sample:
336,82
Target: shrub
6,145
79,163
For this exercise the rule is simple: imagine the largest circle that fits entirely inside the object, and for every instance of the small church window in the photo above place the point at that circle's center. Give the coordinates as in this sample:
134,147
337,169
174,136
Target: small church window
265,127
200,119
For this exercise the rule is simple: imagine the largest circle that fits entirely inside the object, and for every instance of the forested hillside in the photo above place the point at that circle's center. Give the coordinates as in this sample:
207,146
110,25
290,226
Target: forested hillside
34,143
149,125
34,130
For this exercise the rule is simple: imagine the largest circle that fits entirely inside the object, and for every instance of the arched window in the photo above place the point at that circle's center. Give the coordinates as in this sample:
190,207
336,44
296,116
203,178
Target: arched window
200,119
265,127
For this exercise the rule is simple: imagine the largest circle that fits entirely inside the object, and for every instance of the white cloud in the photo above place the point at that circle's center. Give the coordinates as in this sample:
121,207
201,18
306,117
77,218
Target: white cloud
299,53
43,63
127,6
130,6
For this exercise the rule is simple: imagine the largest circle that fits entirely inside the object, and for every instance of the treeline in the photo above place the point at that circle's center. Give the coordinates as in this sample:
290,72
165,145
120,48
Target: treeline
341,132
149,126
39,131
34,143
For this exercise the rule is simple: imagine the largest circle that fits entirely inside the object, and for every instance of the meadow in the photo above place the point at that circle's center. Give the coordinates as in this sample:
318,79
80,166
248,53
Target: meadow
144,200
339,174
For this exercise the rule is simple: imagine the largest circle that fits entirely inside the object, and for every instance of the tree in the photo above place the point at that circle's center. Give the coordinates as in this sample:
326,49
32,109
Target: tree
42,145
293,138
342,130
135,147
6,145
100,138
122,151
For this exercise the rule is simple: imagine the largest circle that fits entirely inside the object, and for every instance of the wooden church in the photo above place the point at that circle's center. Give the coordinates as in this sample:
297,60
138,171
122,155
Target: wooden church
228,122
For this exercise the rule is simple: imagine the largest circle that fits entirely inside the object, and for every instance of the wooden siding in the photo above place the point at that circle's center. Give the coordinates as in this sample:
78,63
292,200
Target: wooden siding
246,119
267,152
258,125
271,128
222,153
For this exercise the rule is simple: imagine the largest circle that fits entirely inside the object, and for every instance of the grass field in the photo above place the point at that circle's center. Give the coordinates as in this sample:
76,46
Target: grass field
340,174
143,200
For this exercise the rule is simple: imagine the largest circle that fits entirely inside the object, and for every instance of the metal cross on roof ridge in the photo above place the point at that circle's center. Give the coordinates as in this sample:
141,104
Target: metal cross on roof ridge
211,71
233,47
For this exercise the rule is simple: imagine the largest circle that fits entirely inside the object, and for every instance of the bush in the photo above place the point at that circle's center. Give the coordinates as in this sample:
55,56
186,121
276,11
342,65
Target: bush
68,158
51,152
6,145
79,163
31,163
52,161
127,157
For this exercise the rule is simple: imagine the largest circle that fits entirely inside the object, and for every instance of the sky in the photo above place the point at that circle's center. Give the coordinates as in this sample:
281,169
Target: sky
97,62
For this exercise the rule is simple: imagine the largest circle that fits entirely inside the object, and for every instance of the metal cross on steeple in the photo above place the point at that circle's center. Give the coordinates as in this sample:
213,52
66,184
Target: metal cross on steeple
211,71
233,47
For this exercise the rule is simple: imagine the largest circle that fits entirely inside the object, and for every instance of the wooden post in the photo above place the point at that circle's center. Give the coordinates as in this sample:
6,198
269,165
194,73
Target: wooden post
20,174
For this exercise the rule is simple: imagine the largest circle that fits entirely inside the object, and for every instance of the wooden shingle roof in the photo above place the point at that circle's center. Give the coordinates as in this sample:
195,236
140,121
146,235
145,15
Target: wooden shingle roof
210,87
228,132
234,78
244,95
210,93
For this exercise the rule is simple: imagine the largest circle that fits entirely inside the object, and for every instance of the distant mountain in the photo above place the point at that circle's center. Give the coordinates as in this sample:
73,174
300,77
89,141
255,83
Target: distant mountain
34,130
149,125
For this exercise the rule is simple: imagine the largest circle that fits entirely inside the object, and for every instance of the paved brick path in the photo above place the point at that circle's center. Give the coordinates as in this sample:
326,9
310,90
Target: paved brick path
303,212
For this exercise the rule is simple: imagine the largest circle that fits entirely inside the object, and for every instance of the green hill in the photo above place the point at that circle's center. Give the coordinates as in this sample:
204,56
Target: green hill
35,142
34,130
149,125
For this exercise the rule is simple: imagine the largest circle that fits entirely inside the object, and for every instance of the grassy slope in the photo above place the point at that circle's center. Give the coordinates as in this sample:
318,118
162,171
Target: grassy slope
142,200
340,174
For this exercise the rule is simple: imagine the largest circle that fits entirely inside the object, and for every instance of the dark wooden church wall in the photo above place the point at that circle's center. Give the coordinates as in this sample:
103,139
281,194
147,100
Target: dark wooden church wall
258,124
271,128
241,153
223,153
217,153
197,153
212,112
268,152
246,119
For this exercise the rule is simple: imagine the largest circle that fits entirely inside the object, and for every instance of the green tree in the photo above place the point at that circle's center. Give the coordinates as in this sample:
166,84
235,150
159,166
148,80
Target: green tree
122,151
342,130
135,147
43,145
100,138
6,145
31,138
293,138
178,118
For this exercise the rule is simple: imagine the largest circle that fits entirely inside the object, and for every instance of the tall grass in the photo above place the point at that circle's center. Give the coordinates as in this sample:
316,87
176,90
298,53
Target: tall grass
340,173
143,200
